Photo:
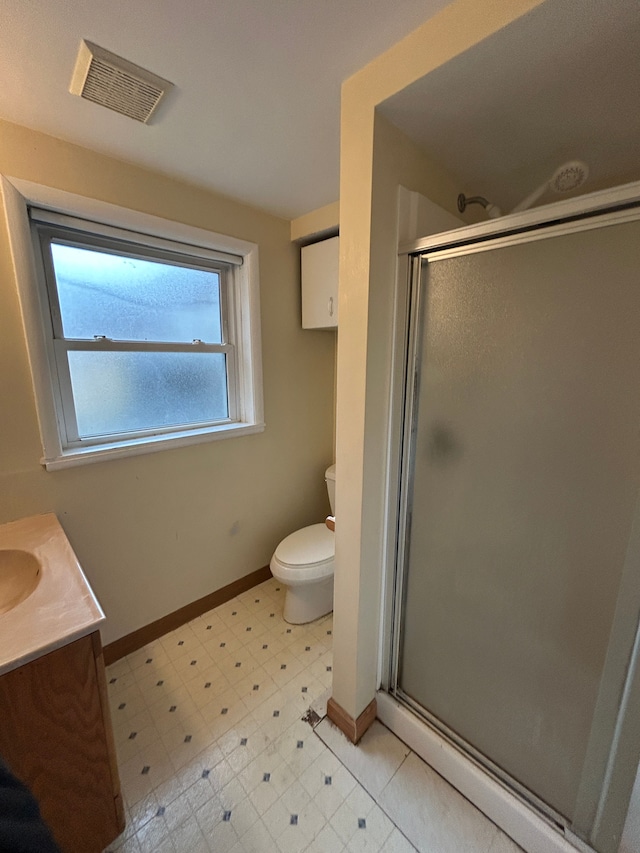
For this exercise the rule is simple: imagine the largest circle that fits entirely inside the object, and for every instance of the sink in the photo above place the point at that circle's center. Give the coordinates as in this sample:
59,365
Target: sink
45,599
20,574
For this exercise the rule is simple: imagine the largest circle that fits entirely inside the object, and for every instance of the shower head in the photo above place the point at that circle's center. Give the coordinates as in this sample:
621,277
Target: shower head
567,177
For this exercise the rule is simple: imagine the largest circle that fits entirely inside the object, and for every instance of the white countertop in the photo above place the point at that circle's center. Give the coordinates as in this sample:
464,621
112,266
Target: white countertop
61,608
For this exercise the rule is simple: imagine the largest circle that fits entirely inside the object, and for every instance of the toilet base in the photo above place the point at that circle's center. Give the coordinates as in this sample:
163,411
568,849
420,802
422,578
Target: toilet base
309,601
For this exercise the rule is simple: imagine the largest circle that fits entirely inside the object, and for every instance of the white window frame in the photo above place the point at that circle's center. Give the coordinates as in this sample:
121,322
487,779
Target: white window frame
244,320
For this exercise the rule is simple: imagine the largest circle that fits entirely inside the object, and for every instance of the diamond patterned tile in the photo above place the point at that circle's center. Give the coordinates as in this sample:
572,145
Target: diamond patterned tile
212,749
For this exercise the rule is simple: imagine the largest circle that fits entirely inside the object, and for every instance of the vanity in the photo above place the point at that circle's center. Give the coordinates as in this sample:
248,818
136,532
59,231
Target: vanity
55,727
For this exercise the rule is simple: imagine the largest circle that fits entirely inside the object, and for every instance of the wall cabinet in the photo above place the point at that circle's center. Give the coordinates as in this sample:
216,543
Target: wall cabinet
319,267
56,736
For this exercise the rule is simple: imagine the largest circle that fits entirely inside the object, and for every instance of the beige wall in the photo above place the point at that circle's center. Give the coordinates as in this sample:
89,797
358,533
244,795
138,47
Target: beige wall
316,224
375,158
156,532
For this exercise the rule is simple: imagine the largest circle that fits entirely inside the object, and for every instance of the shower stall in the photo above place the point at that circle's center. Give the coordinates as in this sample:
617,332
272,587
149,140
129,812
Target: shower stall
517,572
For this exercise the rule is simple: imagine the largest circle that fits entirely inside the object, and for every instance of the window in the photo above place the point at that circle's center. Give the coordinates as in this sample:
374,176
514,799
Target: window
149,341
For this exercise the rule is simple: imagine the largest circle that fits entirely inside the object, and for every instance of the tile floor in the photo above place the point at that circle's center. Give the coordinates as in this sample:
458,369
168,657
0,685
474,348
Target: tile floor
431,813
214,754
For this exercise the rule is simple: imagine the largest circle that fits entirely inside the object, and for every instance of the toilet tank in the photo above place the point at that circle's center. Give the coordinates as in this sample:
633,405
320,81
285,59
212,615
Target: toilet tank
330,478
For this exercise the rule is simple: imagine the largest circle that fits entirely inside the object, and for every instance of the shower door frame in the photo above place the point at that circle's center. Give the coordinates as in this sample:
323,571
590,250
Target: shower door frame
596,820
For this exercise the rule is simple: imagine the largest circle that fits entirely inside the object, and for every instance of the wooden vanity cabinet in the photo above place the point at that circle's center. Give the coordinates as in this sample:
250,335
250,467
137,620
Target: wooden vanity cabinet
56,736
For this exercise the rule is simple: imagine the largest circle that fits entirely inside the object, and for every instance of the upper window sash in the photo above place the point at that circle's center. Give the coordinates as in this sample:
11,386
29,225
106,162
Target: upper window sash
122,235
46,236
102,344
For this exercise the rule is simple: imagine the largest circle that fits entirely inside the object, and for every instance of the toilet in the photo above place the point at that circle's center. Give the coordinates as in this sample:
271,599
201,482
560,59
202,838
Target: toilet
303,562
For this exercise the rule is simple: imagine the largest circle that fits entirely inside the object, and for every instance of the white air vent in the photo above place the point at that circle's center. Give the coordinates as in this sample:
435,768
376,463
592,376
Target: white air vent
113,82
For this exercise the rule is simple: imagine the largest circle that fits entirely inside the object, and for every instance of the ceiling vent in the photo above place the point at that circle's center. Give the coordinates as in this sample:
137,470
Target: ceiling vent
115,83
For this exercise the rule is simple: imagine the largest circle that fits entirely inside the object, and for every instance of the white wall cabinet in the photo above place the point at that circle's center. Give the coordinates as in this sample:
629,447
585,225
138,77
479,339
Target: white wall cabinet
320,284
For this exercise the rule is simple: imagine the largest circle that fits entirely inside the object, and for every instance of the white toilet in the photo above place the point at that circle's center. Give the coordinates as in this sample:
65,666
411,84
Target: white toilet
303,562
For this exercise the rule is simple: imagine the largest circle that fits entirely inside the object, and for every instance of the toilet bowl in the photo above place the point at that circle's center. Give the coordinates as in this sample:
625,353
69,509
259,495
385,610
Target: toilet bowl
304,562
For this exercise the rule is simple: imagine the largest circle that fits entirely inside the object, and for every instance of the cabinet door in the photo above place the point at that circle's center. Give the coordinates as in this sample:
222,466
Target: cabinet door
53,737
320,284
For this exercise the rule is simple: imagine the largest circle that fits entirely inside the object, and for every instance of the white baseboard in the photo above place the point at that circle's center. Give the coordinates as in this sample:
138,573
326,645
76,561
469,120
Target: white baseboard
525,826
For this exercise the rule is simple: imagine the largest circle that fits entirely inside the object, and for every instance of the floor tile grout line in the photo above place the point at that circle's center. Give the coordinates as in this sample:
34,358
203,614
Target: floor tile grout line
449,784
399,767
362,785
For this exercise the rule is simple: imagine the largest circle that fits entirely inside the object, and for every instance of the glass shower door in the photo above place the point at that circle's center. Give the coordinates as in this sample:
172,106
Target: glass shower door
521,476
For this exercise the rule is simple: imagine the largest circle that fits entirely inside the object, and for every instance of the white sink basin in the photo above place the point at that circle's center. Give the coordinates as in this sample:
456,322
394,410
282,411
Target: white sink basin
20,574
45,600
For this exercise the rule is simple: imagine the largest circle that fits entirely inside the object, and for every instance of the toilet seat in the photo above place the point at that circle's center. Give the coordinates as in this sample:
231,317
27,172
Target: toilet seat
305,556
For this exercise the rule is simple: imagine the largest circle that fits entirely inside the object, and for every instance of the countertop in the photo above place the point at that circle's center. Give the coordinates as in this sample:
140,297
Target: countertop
62,607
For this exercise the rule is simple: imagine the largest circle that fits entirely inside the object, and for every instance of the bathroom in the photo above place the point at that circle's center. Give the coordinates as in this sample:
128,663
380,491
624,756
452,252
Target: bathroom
147,546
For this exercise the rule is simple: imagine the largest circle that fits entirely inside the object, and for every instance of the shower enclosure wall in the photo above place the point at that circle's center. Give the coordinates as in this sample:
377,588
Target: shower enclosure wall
517,588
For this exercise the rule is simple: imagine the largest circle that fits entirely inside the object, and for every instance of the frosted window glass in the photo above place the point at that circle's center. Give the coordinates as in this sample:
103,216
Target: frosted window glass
118,392
130,299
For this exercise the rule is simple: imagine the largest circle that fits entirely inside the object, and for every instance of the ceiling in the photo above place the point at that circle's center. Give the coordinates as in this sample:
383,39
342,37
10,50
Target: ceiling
255,109
256,105
561,83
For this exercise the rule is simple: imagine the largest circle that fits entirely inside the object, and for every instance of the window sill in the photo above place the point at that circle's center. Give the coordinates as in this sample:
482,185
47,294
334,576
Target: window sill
149,444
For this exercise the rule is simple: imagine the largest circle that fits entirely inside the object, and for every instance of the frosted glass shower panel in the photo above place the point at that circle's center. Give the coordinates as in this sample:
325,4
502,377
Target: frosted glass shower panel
525,471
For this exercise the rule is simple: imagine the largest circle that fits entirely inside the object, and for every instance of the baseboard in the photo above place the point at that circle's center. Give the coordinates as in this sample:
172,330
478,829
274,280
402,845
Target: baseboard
353,729
137,639
525,826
